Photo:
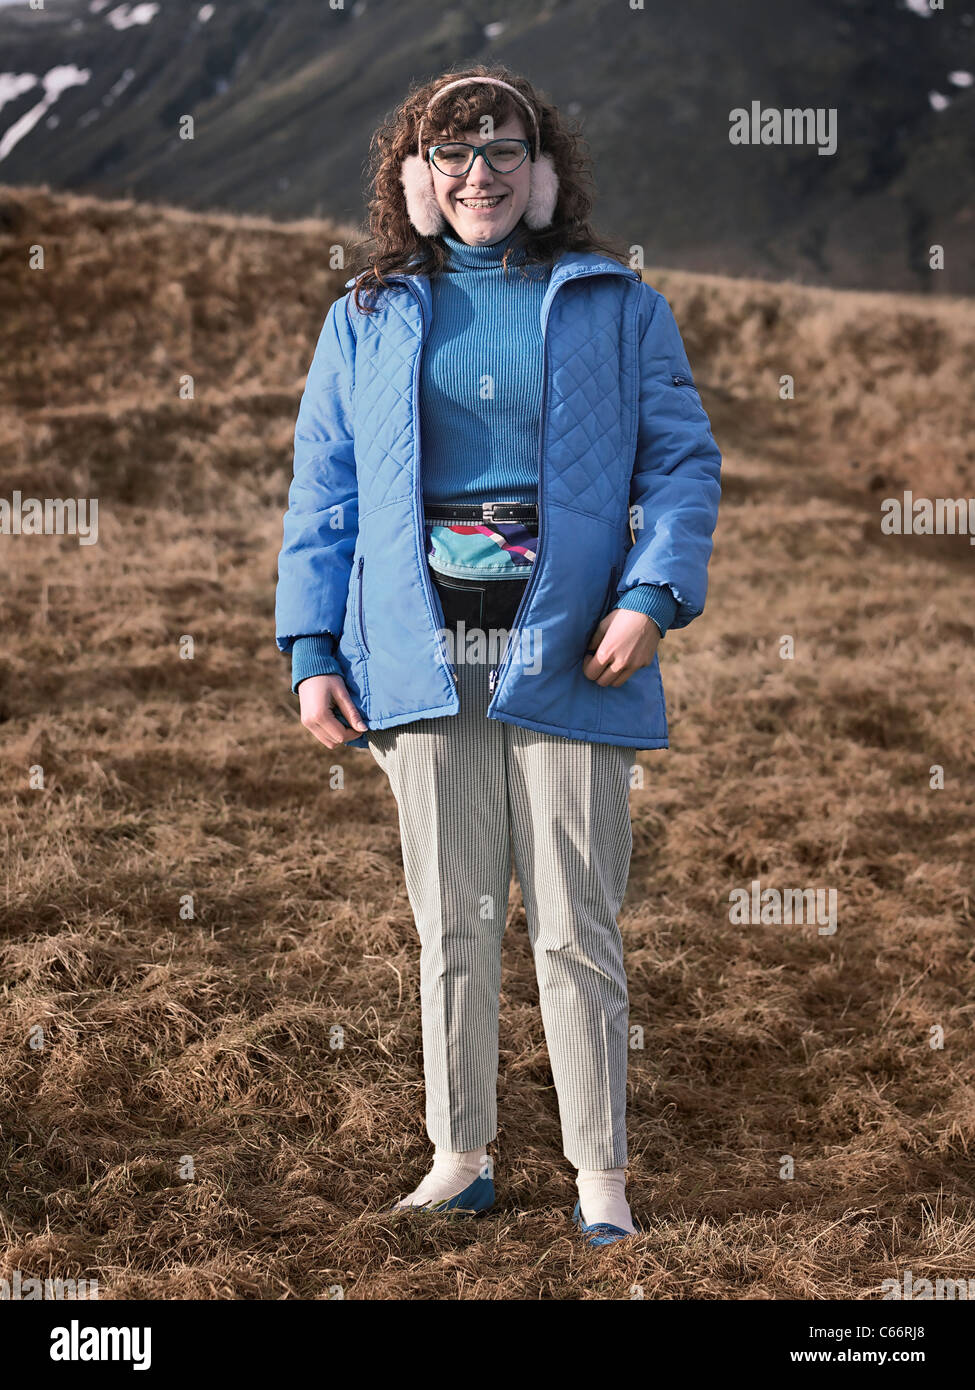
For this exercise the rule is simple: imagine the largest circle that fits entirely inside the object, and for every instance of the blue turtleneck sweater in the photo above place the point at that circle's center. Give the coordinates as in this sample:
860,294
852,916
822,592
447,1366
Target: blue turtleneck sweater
481,377
480,406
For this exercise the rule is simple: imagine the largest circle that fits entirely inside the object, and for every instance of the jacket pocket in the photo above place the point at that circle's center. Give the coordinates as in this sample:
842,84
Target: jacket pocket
609,602
360,611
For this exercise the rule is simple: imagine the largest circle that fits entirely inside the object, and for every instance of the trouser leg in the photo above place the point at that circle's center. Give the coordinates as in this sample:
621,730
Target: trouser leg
447,776
572,839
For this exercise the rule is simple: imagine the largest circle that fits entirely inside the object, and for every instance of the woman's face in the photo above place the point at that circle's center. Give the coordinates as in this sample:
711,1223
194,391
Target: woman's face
455,196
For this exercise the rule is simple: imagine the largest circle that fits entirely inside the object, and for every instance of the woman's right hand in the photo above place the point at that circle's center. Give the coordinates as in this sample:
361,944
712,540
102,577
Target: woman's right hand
317,695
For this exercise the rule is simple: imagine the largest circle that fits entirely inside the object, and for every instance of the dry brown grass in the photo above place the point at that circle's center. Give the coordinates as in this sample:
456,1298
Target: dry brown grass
211,1037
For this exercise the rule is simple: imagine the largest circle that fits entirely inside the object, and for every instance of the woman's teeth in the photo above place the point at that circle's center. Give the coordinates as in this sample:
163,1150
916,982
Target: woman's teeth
481,202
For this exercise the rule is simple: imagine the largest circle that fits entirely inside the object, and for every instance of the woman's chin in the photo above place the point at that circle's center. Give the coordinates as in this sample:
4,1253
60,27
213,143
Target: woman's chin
472,225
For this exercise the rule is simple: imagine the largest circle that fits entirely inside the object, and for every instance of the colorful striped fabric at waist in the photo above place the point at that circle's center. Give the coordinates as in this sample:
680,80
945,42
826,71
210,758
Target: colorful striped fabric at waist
481,549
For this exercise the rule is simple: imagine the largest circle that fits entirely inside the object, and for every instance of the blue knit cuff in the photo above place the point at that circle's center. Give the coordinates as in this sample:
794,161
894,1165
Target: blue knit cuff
655,600
313,656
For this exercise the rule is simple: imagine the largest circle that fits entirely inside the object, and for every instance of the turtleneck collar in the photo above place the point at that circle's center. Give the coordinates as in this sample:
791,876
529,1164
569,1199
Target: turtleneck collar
466,257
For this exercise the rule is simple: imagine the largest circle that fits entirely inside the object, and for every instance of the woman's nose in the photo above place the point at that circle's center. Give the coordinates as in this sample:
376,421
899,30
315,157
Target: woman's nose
480,171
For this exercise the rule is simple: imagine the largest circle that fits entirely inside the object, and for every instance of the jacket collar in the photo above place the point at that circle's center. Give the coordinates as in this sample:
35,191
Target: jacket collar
569,265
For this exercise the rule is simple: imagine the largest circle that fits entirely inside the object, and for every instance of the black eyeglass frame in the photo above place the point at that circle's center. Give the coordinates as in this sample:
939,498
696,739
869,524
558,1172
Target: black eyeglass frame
480,150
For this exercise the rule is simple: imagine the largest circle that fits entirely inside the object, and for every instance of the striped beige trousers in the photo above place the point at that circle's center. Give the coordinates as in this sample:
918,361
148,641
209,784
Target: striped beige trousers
469,792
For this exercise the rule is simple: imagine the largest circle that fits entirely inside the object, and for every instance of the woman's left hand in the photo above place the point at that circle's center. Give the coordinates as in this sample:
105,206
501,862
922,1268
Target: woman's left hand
622,642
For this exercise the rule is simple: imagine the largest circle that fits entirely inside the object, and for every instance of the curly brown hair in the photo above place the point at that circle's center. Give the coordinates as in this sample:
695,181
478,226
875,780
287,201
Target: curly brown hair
395,246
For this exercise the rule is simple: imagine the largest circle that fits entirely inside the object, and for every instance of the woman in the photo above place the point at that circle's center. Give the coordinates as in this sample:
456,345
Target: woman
486,624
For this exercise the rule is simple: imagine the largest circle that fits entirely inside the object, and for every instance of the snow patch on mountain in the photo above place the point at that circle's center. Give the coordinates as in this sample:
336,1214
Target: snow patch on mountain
124,16
55,82
13,84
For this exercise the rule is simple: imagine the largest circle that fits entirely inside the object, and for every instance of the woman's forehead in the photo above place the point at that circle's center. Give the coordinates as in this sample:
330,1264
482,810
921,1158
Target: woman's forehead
513,125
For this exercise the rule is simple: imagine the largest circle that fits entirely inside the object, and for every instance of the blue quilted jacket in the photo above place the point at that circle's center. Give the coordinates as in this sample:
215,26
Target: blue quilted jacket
623,440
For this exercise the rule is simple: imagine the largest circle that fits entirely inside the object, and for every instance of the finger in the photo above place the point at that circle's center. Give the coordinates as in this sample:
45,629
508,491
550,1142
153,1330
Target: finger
344,702
593,667
592,664
327,729
606,664
614,674
348,735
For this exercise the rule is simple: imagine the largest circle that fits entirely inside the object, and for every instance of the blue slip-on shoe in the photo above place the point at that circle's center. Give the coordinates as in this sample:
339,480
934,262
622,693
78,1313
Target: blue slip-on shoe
476,1198
600,1232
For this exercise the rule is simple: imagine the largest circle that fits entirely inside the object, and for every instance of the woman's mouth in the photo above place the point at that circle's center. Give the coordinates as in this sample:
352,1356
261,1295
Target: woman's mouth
482,204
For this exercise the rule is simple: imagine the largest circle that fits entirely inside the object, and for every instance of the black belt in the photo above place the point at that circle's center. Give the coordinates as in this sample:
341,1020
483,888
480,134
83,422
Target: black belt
482,511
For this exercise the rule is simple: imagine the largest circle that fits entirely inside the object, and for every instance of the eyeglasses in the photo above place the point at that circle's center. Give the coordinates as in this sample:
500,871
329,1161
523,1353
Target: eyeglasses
456,156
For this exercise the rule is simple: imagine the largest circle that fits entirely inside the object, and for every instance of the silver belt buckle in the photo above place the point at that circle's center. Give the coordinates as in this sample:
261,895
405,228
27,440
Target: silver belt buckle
487,510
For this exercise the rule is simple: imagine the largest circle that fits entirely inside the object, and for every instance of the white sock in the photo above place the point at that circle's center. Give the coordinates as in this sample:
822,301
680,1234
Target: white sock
450,1174
602,1197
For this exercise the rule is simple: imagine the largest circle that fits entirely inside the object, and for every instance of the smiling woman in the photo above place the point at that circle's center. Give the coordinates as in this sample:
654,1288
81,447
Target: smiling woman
482,410
406,212
492,184
483,190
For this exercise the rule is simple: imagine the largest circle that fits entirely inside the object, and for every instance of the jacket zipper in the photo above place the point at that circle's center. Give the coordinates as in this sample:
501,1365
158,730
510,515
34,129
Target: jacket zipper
418,491
362,621
681,381
498,672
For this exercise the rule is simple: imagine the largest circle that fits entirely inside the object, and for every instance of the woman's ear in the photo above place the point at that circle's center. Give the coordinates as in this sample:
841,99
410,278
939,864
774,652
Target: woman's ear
422,207
543,192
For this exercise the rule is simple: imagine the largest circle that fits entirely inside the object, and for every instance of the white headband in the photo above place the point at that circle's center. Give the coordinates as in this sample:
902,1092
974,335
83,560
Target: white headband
464,82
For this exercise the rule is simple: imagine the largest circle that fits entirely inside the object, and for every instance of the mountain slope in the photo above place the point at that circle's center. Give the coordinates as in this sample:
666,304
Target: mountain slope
285,97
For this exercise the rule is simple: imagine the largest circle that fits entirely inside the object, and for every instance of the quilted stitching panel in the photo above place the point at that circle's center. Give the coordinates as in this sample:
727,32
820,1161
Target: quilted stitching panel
387,344
588,424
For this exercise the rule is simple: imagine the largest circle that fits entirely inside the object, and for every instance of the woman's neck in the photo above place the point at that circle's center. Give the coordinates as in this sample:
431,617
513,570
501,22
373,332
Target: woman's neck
464,256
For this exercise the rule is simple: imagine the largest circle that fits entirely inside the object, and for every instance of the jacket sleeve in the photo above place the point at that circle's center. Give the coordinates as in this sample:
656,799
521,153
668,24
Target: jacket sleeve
322,520
676,484
654,600
313,655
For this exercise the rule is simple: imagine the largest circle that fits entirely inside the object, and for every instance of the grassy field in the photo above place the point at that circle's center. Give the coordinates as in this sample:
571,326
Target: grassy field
176,1121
